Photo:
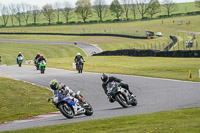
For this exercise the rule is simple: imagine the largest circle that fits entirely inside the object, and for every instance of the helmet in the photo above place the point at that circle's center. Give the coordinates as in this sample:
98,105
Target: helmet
38,54
104,77
41,56
78,53
54,84
19,52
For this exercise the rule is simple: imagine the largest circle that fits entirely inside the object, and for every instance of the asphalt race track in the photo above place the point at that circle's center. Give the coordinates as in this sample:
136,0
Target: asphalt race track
87,48
153,94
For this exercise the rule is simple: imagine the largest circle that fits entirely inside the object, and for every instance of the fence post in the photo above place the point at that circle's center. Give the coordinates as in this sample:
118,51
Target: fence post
196,45
178,45
183,46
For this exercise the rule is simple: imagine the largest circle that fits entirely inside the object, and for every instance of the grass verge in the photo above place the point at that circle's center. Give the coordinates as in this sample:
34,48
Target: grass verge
178,121
21,100
171,68
9,51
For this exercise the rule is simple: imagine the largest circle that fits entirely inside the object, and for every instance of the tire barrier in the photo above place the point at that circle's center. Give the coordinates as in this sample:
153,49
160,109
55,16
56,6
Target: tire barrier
174,39
155,53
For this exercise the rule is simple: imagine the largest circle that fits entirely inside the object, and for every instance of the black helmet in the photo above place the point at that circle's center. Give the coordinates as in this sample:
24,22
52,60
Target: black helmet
104,77
54,84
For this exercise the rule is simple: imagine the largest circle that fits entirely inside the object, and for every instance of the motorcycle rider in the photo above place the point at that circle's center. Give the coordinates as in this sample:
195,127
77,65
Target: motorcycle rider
37,57
78,58
105,79
41,59
61,90
19,55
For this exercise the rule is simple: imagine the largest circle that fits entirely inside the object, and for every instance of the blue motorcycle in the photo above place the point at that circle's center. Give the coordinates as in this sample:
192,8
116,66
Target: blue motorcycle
19,61
70,106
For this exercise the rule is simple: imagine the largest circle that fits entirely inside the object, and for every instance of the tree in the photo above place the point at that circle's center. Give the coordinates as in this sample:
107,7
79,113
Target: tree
133,8
26,11
48,12
18,13
100,8
12,12
143,6
35,13
83,8
170,6
57,7
126,5
67,10
154,7
197,3
116,8
5,14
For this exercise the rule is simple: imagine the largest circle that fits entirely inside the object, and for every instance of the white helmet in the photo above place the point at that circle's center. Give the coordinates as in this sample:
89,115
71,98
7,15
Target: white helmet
19,52
78,53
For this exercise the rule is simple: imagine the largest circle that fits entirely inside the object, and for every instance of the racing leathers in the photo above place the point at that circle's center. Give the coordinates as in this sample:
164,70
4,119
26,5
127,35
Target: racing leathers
62,92
111,79
77,60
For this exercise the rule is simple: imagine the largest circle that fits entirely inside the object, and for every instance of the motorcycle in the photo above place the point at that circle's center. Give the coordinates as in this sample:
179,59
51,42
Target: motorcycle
19,61
42,66
121,95
37,64
70,106
79,67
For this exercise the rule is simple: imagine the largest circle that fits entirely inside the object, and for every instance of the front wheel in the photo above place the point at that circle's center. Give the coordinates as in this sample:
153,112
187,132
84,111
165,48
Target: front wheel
134,102
66,110
88,108
42,70
121,99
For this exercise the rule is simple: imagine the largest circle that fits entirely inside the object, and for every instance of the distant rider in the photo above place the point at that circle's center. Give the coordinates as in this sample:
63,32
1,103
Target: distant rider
78,58
37,57
61,90
41,58
105,79
19,55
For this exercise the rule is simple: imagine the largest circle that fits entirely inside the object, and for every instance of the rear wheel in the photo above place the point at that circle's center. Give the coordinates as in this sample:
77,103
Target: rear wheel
20,64
89,109
121,99
66,110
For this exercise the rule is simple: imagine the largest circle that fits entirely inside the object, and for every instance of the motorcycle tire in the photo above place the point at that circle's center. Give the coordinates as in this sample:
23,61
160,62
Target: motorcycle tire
89,110
20,64
121,99
66,110
134,103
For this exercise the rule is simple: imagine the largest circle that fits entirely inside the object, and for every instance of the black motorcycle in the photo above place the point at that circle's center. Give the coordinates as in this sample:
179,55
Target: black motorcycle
79,66
121,95
37,63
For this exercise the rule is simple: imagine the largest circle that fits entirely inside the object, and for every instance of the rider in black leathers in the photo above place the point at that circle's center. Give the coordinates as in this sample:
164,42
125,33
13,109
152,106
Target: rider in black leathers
78,58
37,57
105,79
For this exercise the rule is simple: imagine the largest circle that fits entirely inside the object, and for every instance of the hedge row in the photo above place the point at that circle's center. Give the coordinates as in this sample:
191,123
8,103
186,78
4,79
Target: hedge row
155,53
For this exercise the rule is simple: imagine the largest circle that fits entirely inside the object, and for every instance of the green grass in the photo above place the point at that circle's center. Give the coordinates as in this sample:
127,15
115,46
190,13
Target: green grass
21,100
178,121
58,56
9,51
105,43
167,28
171,68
